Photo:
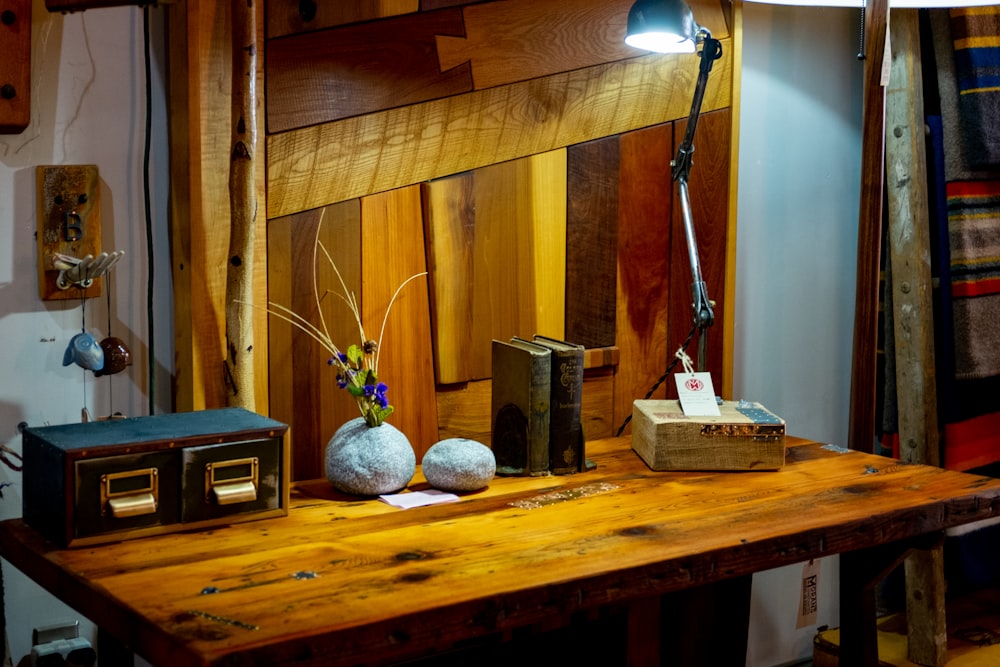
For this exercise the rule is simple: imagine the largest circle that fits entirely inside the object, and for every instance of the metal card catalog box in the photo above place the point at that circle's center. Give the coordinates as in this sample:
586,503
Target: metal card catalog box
112,480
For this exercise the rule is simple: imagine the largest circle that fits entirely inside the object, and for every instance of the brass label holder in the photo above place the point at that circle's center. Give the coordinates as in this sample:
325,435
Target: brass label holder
231,482
130,493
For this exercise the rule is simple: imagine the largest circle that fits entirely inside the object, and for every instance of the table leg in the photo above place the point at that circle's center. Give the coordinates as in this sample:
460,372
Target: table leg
110,651
860,572
707,625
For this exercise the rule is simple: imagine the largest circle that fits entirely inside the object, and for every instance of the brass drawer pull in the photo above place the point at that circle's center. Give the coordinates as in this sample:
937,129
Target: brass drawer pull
231,482
130,493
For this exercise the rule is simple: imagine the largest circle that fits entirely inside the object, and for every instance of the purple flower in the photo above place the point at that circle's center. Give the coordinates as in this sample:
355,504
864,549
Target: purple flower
380,398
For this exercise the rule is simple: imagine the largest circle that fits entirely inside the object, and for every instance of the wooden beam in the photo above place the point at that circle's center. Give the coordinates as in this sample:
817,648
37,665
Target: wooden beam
913,322
15,66
242,208
862,427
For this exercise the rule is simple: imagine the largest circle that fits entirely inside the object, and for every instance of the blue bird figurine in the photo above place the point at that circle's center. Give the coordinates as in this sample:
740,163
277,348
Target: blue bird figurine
84,351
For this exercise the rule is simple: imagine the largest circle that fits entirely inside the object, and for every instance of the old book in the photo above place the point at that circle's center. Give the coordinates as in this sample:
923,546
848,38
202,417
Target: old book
566,441
520,407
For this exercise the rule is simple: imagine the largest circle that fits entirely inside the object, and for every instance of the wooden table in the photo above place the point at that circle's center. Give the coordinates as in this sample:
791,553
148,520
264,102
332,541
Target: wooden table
348,581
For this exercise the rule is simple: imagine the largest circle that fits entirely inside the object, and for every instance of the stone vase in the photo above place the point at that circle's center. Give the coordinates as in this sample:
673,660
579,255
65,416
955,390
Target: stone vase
369,460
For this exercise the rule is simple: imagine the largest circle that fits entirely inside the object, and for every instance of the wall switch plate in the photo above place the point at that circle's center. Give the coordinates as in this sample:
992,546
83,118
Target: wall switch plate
69,225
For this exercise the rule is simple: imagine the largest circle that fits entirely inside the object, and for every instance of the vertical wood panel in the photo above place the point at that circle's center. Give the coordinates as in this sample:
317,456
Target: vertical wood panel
392,251
304,393
591,241
644,200
863,367
449,228
201,57
708,187
520,253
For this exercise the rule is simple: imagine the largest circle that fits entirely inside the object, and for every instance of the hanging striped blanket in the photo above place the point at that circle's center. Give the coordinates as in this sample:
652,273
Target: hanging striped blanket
976,35
973,193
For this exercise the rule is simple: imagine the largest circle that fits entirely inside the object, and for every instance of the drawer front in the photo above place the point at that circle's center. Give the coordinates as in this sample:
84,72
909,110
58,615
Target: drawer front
231,478
126,492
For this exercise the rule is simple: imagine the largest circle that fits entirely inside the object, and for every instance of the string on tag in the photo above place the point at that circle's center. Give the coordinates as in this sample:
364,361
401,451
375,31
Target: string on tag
685,360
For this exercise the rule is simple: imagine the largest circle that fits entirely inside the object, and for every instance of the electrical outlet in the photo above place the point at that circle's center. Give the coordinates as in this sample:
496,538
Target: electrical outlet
69,226
55,631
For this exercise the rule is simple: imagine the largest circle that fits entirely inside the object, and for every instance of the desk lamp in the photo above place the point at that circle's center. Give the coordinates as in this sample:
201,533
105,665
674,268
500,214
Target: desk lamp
668,26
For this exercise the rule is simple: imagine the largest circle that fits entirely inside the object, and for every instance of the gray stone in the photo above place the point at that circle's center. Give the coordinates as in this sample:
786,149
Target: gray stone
459,464
369,461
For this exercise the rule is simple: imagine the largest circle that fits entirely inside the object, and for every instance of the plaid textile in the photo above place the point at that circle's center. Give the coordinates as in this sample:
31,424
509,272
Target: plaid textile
976,35
974,240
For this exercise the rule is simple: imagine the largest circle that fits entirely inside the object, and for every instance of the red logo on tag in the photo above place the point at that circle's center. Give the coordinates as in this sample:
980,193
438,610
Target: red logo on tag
694,384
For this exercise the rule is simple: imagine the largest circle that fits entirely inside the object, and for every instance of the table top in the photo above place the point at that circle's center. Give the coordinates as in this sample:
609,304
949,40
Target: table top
340,579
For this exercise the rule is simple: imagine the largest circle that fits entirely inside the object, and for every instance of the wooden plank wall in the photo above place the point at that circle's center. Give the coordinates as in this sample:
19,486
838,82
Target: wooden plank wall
518,152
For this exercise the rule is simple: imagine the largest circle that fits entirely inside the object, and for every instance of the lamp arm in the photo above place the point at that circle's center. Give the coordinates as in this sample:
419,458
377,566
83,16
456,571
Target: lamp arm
711,51
701,305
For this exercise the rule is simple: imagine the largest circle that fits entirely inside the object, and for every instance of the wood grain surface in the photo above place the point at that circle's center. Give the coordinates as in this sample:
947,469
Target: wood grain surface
304,393
645,199
290,16
592,241
709,193
200,82
865,347
322,164
360,69
344,581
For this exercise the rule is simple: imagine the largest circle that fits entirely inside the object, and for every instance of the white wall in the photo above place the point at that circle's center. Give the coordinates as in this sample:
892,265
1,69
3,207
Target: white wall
87,107
799,184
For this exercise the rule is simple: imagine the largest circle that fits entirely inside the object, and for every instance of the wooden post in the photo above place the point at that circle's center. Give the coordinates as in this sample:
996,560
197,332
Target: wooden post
243,207
913,324
861,435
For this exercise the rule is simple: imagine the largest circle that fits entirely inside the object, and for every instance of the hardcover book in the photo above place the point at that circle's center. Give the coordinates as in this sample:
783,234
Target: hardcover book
566,439
520,407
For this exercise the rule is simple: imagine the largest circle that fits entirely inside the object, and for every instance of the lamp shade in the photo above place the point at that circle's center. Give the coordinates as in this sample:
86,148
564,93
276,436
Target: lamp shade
664,26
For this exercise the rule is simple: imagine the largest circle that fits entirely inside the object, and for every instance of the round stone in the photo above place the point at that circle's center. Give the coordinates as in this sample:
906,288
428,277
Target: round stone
369,461
459,464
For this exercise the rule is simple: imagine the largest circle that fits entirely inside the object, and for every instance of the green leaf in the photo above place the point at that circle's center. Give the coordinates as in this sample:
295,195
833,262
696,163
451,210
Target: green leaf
355,354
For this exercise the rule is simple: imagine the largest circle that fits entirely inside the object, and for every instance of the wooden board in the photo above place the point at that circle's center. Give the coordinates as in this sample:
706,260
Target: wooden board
645,196
863,358
290,16
591,241
15,66
393,251
359,69
200,70
304,393
496,241
450,234
708,188
518,40
322,164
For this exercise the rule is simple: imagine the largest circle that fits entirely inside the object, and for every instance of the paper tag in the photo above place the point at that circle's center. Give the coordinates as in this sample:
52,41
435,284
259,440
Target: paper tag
809,597
418,498
697,395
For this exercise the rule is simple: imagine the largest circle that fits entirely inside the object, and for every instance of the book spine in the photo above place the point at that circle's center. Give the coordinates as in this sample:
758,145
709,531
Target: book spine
566,434
539,417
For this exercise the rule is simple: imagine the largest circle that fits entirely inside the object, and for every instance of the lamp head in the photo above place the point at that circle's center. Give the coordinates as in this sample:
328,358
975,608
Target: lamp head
664,26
